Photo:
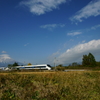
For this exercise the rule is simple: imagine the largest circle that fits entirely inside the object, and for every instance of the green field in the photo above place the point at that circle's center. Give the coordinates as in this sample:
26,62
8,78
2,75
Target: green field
50,85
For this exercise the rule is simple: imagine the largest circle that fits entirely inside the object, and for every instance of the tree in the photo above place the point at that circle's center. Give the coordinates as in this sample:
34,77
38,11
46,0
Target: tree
92,61
85,61
89,60
29,64
98,63
74,64
15,64
10,65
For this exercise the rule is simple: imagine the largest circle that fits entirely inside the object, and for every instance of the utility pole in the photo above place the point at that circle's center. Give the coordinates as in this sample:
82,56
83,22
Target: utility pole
55,63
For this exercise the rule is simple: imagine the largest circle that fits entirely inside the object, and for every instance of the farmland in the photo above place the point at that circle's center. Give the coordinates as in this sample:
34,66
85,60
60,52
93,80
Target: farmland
82,85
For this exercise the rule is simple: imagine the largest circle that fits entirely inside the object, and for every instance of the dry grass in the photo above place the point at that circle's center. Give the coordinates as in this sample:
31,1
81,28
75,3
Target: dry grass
50,86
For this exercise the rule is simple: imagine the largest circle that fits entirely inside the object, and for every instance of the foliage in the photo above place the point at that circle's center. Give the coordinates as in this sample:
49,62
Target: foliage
29,64
15,64
98,64
10,65
89,60
74,64
60,68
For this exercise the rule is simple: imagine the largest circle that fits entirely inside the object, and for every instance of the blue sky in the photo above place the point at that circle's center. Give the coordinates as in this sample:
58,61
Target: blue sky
37,31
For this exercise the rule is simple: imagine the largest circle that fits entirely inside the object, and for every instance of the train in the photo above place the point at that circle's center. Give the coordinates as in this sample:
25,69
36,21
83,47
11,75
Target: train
41,67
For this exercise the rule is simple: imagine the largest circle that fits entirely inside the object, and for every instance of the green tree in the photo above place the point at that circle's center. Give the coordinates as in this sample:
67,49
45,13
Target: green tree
74,64
89,60
15,64
10,65
85,61
98,63
92,61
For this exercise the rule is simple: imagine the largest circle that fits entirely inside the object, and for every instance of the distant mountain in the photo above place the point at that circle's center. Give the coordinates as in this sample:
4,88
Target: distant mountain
5,59
4,63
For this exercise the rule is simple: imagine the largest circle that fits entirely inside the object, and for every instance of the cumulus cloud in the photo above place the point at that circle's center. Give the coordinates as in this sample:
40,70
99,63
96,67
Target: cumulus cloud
83,41
4,52
92,9
76,53
41,6
52,26
74,33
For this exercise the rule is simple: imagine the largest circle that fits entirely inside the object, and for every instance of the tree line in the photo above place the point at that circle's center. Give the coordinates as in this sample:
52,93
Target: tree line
88,61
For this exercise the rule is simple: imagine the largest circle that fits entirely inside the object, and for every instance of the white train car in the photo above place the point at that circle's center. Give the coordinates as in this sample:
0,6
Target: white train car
41,67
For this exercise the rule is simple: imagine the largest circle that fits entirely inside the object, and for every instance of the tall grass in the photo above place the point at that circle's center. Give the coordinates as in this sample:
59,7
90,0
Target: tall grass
50,86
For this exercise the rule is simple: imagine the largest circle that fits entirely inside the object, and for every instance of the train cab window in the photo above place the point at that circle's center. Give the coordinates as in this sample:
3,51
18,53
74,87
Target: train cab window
48,65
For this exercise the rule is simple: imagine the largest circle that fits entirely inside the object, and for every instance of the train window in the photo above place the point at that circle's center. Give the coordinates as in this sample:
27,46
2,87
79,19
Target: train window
40,66
48,65
43,66
22,67
29,67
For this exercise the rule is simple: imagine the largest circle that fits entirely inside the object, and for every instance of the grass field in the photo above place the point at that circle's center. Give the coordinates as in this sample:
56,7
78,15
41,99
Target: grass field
50,85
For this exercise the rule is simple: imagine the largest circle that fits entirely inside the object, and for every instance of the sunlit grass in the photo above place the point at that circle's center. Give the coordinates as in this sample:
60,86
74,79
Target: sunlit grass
50,86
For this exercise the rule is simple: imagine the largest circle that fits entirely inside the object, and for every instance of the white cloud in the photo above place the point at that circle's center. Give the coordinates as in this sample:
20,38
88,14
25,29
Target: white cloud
95,27
83,41
4,52
52,26
26,44
74,33
49,26
4,57
76,53
42,6
55,54
92,9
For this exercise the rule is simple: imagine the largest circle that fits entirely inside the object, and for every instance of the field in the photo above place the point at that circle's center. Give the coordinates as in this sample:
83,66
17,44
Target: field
50,85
